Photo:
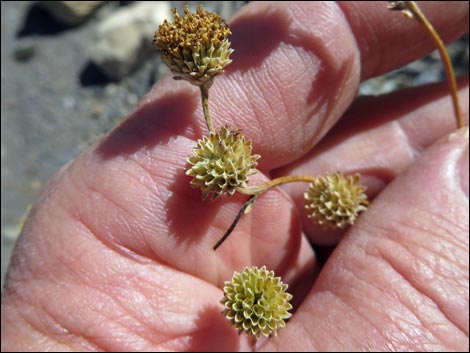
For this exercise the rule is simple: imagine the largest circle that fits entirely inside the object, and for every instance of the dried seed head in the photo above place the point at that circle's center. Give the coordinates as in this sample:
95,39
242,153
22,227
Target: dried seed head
335,200
256,302
221,163
195,46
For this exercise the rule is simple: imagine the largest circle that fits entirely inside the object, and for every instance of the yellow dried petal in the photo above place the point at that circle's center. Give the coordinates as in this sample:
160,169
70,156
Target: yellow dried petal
195,46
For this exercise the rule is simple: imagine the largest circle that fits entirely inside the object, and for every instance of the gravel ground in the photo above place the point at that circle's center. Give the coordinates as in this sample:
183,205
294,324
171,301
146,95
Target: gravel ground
54,103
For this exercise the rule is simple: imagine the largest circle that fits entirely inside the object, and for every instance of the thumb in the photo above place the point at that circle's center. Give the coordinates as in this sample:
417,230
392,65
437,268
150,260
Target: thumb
399,279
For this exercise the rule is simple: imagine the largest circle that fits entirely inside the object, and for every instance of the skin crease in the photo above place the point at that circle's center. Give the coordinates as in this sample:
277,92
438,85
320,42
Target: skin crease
117,253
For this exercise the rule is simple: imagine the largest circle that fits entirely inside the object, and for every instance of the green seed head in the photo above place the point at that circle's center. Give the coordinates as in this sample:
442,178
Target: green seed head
335,200
256,302
222,162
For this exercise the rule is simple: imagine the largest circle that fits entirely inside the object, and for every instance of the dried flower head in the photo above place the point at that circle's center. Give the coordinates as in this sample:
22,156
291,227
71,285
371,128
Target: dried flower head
335,200
256,302
222,162
195,46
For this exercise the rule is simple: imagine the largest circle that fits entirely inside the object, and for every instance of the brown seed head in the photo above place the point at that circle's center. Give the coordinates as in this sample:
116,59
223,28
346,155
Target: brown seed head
195,46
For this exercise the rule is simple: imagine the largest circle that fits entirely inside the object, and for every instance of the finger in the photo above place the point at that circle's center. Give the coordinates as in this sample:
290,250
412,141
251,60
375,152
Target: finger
96,299
399,279
297,65
378,137
404,40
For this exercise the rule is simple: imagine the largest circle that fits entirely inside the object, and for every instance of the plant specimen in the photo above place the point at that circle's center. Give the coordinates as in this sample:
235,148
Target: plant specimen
197,49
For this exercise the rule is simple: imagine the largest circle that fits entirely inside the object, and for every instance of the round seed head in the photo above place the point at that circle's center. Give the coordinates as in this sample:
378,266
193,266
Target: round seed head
195,46
221,163
335,200
256,302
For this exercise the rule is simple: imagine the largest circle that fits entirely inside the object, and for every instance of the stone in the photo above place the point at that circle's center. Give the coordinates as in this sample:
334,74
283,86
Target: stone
70,12
123,40
24,51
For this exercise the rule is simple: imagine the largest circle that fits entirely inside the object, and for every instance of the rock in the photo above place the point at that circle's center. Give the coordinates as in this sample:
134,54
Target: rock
70,12
24,51
69,102
124,39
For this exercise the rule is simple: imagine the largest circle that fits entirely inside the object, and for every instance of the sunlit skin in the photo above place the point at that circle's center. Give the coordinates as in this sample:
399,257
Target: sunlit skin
116,254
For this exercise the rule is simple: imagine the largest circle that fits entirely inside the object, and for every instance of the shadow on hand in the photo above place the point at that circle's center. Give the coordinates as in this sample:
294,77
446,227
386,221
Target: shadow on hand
188,216
370,112
151,124
254,38
214,333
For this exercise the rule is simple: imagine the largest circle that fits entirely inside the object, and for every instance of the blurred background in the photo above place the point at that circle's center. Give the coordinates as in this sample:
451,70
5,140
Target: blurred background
71,70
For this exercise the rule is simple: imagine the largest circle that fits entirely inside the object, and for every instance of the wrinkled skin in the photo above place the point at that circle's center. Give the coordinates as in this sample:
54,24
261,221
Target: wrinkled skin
117,252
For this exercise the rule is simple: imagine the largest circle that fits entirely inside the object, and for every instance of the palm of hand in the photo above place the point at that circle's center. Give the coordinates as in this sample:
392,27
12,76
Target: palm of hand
119,248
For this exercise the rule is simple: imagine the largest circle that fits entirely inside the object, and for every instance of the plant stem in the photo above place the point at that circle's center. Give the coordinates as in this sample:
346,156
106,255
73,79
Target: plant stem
205,107
413,8
247,204
257,189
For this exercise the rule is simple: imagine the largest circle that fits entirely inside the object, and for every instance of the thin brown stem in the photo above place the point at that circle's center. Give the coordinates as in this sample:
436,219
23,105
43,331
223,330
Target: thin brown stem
411,9
257,189
205,107
244,208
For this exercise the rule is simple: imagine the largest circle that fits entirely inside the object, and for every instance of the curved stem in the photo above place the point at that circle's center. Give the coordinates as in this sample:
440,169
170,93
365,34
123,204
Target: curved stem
205,107
416,13
243,210
257,189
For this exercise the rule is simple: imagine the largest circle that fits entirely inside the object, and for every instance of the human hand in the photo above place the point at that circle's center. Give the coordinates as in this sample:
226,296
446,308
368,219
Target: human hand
117,252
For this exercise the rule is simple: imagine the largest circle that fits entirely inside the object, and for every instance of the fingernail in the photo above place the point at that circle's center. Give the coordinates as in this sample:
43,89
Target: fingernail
463,165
